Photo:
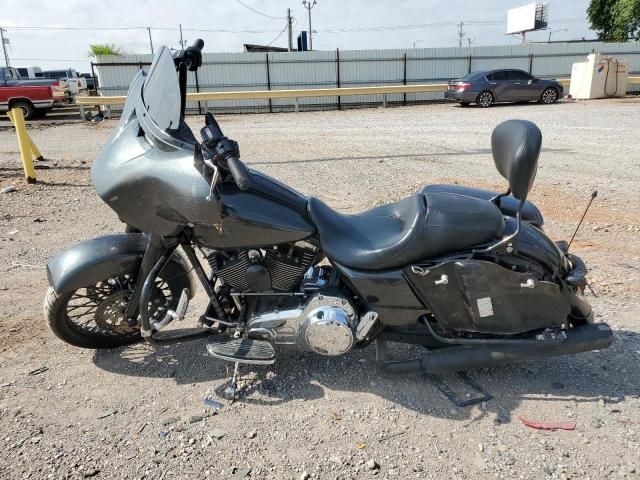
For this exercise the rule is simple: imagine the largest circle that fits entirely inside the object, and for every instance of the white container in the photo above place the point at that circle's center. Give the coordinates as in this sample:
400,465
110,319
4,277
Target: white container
599,77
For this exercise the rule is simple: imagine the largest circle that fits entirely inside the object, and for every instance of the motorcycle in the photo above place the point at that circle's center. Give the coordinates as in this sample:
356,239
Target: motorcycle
467,273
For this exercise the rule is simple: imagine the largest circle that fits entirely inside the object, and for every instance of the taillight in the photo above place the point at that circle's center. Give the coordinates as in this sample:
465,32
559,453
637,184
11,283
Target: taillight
461,87
55,84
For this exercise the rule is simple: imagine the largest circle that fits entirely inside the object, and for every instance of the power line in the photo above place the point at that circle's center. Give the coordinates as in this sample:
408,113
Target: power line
256,11
152,10
331,30
280,34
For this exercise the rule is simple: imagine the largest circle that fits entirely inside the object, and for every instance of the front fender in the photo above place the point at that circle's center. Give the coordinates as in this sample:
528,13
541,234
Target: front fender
101,258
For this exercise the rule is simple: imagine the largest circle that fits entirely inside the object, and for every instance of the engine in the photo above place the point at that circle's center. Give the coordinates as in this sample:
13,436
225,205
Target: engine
296,305
279,268
324,322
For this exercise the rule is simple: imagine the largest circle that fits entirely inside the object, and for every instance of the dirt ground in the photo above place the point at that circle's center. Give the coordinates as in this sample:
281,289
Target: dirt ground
138,413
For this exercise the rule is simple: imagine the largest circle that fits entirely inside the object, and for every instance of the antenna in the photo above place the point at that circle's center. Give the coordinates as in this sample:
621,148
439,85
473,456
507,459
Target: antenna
593,195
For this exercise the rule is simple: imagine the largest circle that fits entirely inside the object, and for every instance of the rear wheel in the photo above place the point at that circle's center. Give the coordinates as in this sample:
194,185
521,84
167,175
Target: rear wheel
549,96
485,99
28,110
93,316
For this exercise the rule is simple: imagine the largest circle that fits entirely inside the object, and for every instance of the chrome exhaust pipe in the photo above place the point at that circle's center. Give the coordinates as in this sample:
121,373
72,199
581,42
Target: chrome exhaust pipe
455,359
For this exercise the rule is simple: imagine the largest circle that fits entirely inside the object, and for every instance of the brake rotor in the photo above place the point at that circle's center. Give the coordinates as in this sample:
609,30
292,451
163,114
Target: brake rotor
109,314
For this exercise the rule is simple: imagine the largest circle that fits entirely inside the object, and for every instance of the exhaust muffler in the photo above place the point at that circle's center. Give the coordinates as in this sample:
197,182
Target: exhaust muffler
454,359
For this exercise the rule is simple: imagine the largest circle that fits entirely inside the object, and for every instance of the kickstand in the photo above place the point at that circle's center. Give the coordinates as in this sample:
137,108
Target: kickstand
231,391
444,387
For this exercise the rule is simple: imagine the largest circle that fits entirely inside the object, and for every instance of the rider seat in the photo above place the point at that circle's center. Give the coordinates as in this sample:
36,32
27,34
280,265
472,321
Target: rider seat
422,226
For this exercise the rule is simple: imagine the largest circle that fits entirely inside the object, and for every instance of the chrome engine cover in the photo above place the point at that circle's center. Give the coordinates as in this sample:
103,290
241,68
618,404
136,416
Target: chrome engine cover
325,325
328,326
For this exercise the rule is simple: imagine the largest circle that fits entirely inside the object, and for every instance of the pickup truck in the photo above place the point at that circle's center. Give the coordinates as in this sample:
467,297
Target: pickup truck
33,100
10,77
68,78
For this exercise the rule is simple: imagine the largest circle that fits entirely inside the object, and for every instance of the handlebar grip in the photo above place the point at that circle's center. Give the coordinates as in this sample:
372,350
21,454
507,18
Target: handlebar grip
198,44
239,172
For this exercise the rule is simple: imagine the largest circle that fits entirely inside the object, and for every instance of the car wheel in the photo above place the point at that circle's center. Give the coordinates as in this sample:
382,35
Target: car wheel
28,110
549,96
485,99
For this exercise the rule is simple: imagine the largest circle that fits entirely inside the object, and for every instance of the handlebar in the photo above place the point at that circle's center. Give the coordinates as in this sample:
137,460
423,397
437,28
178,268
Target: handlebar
225,151
191,57
239,172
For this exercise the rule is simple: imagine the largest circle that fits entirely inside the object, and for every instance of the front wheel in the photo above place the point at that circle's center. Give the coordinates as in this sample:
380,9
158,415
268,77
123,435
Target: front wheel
549,96
28,110
93,316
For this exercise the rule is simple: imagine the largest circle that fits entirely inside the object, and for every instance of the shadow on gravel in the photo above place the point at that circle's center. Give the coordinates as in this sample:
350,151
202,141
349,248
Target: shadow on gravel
608,375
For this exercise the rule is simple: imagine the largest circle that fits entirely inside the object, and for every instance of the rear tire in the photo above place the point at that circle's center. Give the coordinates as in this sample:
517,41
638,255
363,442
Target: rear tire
485,99
28,110
549,96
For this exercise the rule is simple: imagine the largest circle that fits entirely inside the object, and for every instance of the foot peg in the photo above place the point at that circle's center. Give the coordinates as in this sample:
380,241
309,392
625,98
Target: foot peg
242,350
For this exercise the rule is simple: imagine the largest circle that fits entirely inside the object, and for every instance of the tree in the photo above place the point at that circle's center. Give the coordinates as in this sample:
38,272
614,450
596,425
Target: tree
617,20
104,49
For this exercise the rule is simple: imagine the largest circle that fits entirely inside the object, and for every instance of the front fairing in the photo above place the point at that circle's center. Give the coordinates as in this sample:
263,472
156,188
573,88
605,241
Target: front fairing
146,171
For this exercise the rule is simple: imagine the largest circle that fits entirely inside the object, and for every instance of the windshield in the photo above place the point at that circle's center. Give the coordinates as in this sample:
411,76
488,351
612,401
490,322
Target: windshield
158,103
161,92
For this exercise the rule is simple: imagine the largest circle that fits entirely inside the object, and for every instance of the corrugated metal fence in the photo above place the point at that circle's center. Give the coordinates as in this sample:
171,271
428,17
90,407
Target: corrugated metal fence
340,68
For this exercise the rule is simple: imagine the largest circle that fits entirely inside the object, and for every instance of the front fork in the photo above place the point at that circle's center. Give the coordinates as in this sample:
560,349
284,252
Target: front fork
158,253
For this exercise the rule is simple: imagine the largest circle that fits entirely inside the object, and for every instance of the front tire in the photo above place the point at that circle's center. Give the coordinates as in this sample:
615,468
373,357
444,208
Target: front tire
28,110
549,96
92,316
485,99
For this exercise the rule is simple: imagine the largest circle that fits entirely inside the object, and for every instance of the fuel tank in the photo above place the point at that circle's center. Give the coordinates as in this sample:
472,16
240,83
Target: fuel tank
269,213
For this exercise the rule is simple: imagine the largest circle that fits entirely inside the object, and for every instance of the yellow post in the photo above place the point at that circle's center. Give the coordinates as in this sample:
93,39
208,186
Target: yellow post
32,146
26,144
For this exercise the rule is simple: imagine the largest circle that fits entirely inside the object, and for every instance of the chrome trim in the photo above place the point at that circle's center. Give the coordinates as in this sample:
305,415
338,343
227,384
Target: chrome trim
366,323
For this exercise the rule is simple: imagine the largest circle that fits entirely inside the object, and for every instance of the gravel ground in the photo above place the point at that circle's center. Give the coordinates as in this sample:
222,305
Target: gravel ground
139,413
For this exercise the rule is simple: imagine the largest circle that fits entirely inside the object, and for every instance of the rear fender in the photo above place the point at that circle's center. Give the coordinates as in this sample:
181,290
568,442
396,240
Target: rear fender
97,259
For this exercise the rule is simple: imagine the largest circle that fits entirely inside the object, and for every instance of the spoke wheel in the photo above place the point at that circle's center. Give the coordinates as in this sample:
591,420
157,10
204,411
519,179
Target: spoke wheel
99,310
485,99
94,316
550,95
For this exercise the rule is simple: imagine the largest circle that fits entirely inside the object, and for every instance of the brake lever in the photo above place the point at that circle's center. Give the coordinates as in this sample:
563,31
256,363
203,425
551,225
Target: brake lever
214,179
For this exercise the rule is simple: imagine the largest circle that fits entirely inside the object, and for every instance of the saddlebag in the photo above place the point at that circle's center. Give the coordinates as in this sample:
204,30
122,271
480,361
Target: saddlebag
483,297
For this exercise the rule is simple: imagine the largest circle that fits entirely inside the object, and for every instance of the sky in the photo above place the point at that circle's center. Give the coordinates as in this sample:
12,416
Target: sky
348,25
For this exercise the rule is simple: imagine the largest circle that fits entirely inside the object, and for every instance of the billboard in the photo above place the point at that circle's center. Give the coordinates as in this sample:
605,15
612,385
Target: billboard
527,18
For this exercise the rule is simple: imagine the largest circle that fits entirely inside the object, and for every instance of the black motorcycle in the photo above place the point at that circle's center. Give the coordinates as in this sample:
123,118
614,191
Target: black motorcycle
467,273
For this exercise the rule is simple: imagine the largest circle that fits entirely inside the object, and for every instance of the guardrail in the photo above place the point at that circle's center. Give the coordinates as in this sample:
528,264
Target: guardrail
300,93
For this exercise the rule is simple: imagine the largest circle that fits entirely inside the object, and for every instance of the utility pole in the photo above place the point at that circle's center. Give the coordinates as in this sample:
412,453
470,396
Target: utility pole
460,34
150,40
4,41
309,5
290,27
554,31
181,41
